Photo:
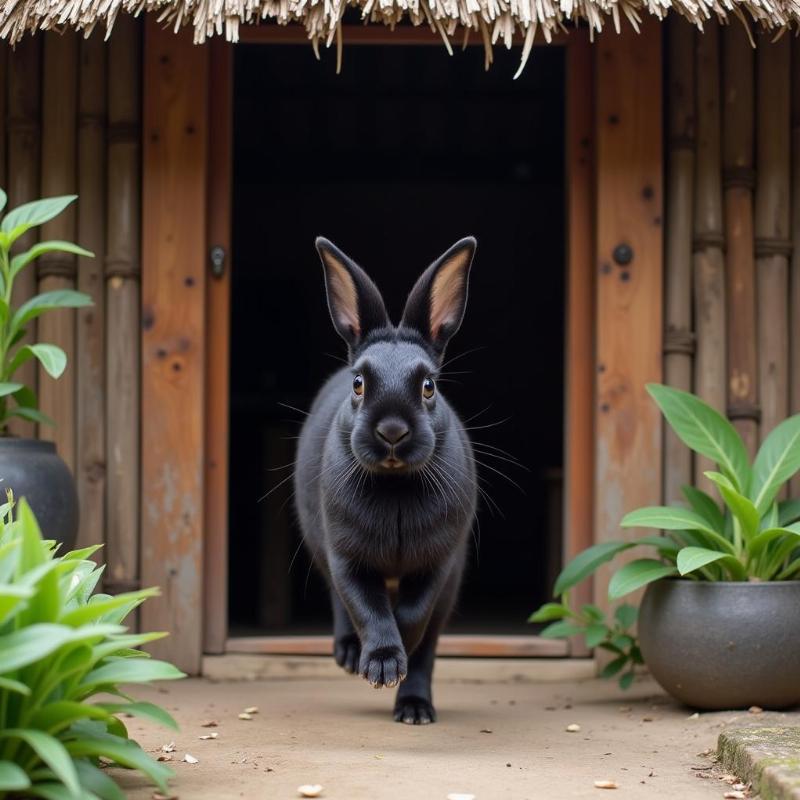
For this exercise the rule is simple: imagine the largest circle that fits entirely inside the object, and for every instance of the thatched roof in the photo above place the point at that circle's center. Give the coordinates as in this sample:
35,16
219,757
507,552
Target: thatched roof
492,20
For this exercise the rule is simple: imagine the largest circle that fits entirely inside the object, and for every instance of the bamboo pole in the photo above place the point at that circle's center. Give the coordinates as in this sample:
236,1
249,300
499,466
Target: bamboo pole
708,260
794,296
772,212
24,145
57,270
678,336
122,306
739,179
91,321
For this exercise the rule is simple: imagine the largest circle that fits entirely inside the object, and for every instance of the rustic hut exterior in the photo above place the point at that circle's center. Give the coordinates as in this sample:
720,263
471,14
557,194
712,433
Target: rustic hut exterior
682,264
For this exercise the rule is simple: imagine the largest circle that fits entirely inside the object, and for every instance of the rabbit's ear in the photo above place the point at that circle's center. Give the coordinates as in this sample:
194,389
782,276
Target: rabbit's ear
436,304
354,301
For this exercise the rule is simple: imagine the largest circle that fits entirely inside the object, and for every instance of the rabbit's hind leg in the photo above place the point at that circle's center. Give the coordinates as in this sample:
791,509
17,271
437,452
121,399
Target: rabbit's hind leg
346,644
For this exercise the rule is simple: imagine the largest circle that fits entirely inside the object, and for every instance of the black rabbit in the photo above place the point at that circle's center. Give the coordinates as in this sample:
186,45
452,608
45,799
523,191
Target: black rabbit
385,480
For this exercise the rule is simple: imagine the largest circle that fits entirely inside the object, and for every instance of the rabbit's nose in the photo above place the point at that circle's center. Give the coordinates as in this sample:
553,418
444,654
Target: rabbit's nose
392,430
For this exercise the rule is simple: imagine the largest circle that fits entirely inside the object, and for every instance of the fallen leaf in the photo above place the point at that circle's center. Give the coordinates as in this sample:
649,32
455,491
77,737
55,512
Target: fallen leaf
605,785
734,795
486,730
309,790
460,796
573,728
251,710
756,710
728,778
168,748
213,735
164,757
190,759
209,723
245,715
647,719
379,757
739,787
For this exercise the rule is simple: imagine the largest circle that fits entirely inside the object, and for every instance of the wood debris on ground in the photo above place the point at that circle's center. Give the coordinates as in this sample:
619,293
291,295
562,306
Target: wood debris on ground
251,710
168,748
605,785
736,794
309,790
573,728
486,730
209,723
164,757
190,759
213,735
245,715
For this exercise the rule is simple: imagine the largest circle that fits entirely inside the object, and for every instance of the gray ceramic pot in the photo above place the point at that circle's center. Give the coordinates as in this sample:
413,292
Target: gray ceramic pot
33,470
723,645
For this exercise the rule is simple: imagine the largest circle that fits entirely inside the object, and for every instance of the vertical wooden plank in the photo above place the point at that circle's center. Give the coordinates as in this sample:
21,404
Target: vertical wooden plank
173,339
630,280
58,270
579,349
91,457
711,347
122,274
773,245
24,147
739,179
678,335
4,90
215,596
794,296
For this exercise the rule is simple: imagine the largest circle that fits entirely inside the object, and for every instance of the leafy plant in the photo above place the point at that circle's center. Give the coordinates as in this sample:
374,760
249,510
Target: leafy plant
60,647
748,534
14,321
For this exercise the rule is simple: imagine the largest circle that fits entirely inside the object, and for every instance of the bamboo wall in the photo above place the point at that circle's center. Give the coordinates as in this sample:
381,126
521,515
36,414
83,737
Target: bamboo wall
732,239
71,125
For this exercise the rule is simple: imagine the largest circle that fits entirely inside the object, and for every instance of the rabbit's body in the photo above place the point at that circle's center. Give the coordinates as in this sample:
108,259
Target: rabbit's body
385,482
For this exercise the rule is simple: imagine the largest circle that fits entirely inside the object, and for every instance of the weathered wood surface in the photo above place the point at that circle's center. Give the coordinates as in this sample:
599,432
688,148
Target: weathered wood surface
739,180
794,296
58,270
710,375
628,455
24,148
174,268
678,334
122,287
91,333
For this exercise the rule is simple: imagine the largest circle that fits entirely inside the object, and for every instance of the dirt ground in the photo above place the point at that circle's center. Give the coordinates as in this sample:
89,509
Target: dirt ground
497,741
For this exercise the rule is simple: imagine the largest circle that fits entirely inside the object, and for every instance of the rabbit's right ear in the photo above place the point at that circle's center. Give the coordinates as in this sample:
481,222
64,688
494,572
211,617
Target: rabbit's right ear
354,301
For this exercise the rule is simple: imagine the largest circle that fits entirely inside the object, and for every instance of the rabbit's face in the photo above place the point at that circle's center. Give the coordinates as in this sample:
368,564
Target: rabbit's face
393,406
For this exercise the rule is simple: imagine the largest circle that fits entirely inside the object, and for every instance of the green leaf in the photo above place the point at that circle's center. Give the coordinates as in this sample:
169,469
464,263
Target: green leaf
23,259
626,680
704,505
673,518
741,507
592,612
595,634
51,752
35,213
3,199
778,459
99,606
12,777
14,686
141,709
47,301
51,357
613,667
693,558
132,671
96,781
55,717
33,415
789,511
759,542
626,615
561,630
705,431
56,791
9,388
585,563
549,612
635,574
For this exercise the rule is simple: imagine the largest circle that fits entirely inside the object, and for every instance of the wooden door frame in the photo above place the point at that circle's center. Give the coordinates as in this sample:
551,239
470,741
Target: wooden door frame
578,331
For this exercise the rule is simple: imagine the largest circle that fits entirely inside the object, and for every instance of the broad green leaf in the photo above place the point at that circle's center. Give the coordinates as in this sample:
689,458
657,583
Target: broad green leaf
694,558
789,511
595,634
593,612
778,460
626,615
549,612
665,545
51,357
16,687
741,507
626,680
131,671
23,259
613,667
11,599
12,777
35,213
55,717
705,506
673,518
562,629
33,415
117,645
585,563
51,752
141,709
47,301
759,542
9,388
83,554
57,791
3,199
705,431
635,574
95,609
96,781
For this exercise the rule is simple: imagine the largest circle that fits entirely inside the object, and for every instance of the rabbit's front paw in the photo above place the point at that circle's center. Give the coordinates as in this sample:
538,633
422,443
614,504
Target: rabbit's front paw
383,665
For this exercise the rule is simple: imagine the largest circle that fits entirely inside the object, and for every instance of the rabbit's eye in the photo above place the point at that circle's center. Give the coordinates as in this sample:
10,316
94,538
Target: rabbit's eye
428,388
358,385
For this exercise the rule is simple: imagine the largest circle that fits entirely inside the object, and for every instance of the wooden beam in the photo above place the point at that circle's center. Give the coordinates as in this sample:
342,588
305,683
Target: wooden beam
629,284
174,268
215,595
794,283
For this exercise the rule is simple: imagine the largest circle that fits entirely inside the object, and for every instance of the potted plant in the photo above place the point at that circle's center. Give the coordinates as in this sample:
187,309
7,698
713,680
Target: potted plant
718,620
29,467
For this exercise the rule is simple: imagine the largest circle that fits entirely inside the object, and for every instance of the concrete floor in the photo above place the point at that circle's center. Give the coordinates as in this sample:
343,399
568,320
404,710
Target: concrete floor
494,740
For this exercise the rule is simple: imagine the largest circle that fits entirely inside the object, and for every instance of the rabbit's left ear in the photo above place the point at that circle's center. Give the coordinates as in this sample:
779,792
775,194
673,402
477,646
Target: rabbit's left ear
436,304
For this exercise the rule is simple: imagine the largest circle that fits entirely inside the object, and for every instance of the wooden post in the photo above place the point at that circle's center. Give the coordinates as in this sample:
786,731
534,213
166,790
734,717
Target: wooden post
709,261
122,269
24,145
773,245
794,297
91,456
628,449
57,270
678,336
739,179
174,268
4,92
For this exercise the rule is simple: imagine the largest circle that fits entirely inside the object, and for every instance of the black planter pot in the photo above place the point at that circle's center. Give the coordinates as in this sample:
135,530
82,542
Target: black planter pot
723,645
33,470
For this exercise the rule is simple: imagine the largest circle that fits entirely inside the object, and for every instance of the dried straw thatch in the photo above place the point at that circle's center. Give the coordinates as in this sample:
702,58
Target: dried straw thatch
491,20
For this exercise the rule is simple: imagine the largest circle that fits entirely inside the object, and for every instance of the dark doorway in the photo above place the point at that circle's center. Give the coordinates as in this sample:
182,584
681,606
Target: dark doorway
403,153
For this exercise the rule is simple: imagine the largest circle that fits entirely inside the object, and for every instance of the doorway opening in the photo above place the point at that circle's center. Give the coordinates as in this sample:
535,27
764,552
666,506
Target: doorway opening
402,154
